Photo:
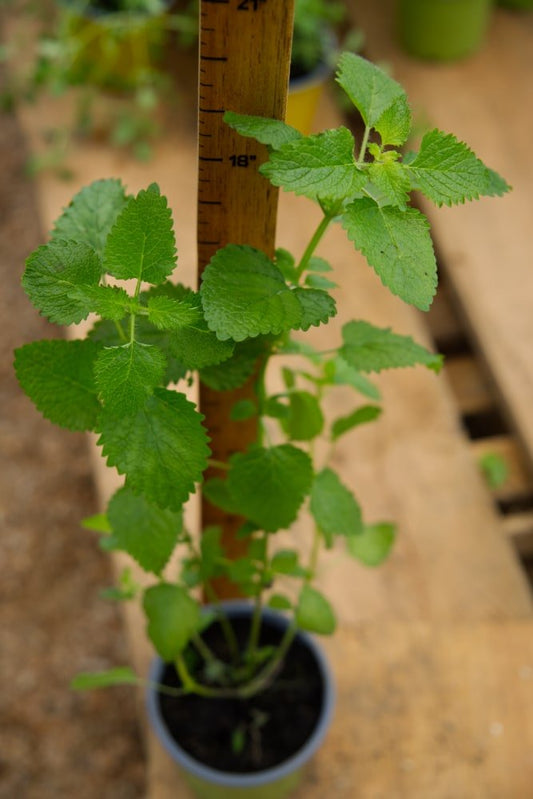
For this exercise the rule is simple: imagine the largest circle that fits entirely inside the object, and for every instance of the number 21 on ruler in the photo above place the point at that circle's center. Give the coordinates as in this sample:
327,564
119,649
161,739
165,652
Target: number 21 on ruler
249,5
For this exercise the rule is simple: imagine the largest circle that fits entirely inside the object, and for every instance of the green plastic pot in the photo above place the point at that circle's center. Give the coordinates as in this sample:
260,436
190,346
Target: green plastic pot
273,783
443,30
115,50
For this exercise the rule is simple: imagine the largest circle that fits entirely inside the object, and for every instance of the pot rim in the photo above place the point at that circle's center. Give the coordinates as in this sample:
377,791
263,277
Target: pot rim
236,779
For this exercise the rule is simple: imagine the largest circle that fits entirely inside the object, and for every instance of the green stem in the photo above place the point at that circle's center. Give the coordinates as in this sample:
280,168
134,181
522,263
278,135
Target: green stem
218,464
364,145
227,629
204,650
313,244
255,628
120,331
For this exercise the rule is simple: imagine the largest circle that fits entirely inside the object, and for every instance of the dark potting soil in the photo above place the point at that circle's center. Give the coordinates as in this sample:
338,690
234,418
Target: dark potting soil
289,708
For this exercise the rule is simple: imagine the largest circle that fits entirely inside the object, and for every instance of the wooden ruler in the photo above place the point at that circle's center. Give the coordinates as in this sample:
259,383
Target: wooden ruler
244,67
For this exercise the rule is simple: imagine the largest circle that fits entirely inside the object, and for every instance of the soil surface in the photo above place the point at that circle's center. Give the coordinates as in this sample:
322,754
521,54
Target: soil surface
53,742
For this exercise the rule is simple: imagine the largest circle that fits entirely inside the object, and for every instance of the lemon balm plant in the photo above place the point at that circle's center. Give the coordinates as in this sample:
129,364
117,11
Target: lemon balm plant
113,255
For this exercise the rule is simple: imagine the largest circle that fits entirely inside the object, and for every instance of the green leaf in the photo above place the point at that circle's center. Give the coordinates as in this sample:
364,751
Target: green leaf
143,530
448,172
91,214
398,245
319,282
211,553
494,468
392,182
279,602
340,373
314,613
244,295
99,523
141,244
322,165
370,89
162,449
286,561
173,618
362,415
242,410
88,681
371,349
53,271
126,376
373,545
317,307
197,347
235,371
333,506
271,132
217,492
287,265
304,420
269,485
109,302
394,125
167,313
58,377
317,264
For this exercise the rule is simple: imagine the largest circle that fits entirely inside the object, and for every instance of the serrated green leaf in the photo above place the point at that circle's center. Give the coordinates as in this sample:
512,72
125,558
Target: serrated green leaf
146,532
362,415
304,419
448,172
109,302
271,132
391,181
334,507
314,613
53,271
58,376
141,244
167,313
373,545
370,89
371,349
394,125
244,295
88,681
317,307
197,347
91,214
340,373
270,484
321,165
173,618
397,244
234,372
162,449
126,376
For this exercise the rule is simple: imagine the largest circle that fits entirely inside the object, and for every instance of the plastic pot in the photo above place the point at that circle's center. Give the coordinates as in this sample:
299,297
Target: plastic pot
443,30
272,783
112,50
304,96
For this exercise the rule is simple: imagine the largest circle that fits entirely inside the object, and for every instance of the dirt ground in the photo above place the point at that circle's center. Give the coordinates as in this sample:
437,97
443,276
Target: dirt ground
53,742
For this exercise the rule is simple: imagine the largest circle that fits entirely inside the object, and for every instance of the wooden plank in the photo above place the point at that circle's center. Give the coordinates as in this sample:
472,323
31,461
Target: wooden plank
469,384
421,712
486,100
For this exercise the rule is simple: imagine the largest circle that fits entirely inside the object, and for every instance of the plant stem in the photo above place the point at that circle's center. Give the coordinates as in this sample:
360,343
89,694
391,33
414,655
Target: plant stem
313,244
227,629
255,628
364,144
218,464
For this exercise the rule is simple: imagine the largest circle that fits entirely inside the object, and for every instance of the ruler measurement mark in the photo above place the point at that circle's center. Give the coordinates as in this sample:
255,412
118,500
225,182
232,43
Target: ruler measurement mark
206,158
213,58
210,202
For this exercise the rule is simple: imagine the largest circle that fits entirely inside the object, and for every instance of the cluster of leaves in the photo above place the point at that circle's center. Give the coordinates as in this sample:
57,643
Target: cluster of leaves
112,255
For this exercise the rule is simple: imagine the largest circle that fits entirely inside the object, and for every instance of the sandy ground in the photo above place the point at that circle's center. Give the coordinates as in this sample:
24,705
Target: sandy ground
53,742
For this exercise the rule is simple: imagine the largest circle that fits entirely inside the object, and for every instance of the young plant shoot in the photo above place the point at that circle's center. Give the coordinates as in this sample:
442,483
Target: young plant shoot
113,255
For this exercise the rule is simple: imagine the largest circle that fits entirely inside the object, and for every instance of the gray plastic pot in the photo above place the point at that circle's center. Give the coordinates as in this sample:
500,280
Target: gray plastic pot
273,783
